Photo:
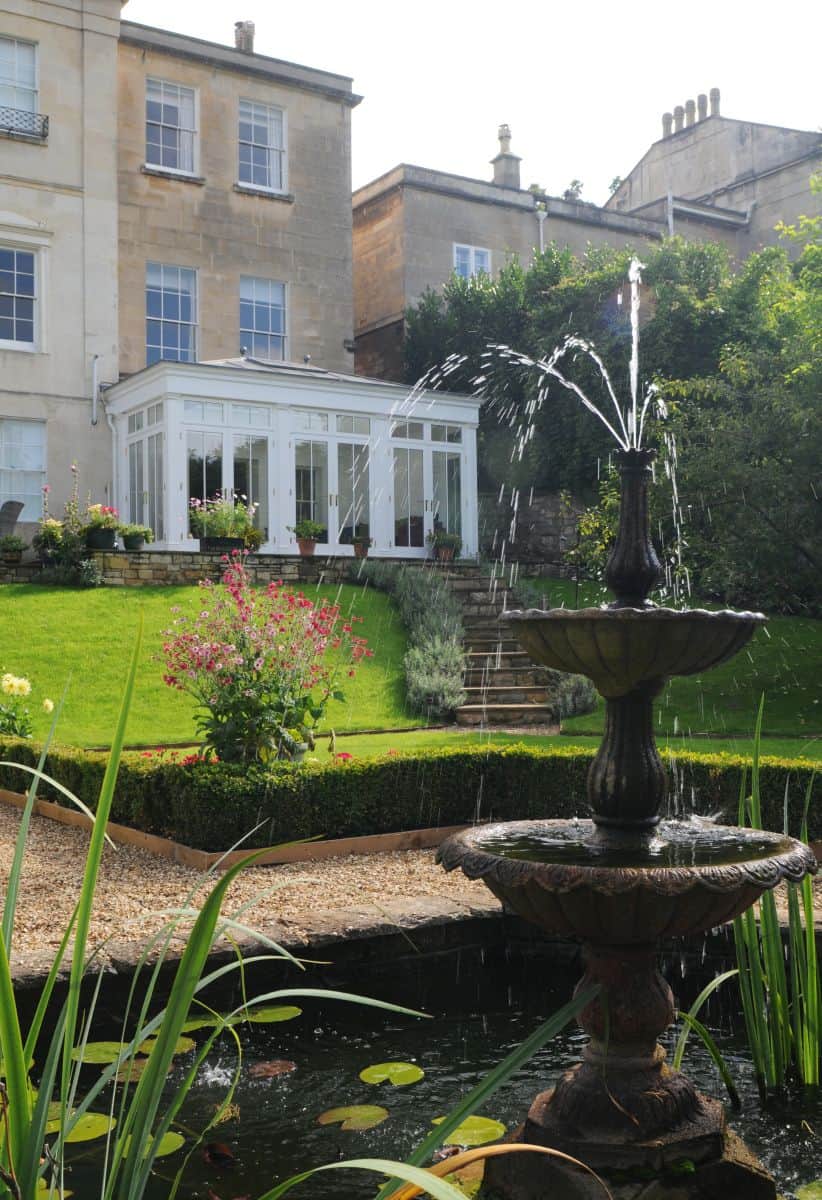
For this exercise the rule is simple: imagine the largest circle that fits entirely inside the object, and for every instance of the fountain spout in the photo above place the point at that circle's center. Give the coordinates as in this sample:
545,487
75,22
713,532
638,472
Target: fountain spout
633,568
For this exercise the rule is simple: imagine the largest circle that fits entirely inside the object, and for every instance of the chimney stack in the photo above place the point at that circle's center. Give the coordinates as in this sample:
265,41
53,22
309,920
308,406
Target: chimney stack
679,118
701,106
714,102
244,36
690,112
506,164
667,124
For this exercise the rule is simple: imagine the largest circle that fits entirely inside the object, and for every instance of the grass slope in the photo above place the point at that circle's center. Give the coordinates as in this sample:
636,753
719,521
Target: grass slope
782,661
83,639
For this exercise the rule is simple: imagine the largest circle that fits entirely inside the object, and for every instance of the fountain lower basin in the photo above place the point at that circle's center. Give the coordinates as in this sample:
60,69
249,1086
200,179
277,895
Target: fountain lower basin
682,879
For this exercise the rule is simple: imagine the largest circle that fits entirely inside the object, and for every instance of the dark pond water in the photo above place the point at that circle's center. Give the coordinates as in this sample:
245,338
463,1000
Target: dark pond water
483,1003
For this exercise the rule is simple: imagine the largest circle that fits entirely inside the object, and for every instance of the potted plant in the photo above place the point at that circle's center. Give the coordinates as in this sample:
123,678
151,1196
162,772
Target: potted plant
135,536
307,533
48,541
446,546
11,548
222,524
102,523
361,541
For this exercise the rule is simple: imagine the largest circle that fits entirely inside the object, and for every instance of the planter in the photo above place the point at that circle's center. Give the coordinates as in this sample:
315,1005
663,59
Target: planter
12,557
133,542
221,545
101,539
306,546
444,553
361,550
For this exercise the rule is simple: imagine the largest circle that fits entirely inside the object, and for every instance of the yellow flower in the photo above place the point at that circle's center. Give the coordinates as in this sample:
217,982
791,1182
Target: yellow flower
14,685
22,687
48,705
7,684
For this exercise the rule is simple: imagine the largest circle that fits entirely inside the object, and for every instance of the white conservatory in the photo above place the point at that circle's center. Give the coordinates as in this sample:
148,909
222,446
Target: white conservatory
356,455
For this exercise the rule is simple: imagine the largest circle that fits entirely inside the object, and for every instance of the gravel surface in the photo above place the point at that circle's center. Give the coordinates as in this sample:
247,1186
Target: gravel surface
135,886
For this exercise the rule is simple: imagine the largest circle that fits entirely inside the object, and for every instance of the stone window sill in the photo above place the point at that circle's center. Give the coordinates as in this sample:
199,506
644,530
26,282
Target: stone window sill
180,176
246,189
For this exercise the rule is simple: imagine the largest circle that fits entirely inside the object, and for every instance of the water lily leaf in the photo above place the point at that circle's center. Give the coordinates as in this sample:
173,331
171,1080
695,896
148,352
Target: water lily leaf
181,1046
270,1070
811,1191
474,1131
398,1073
90,1126
43,1188
355,1116
200,1023
168,1144
99,1052
273,1012
130,1071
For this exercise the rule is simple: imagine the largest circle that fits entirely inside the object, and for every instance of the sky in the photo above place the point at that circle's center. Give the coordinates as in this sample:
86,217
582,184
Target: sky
583,84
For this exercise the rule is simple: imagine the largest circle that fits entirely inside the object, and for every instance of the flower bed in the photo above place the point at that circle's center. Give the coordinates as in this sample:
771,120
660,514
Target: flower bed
211,805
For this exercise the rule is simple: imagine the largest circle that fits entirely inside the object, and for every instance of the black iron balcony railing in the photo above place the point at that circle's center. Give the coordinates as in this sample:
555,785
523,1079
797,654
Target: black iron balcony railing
19,122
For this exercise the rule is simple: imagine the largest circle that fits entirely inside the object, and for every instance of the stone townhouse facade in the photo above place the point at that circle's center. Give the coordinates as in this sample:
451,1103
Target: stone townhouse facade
161,197
708,178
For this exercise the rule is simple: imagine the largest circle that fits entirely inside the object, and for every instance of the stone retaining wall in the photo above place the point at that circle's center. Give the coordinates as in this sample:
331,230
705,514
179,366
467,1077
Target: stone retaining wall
546,526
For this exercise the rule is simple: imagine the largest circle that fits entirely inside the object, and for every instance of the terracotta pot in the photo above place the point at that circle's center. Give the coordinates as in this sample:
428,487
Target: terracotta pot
12,557
306,546
360,549
445,553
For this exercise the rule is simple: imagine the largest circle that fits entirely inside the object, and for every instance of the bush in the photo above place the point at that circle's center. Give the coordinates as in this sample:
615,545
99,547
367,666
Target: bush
434,664
211,805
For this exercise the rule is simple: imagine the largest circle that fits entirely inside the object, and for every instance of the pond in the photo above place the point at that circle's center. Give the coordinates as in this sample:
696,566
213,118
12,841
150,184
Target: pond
484,1000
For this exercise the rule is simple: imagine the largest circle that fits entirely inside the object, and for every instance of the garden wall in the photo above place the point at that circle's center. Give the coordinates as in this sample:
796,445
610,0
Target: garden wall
210,806
545,528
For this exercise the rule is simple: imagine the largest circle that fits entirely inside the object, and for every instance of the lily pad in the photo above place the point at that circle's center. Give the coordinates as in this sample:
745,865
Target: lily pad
474,1131
90,1126
270,1070
182,1045
45,1189
130,1072
168,1144
199,1023
355,1116
99,1052
274,1012
811,1191
400,1074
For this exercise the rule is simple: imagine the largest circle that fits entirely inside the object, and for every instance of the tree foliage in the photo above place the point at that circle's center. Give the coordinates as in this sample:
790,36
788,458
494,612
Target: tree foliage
737,357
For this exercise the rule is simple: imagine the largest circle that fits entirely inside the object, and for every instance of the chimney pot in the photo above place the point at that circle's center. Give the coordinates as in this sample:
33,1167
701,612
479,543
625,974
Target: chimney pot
506,164
679,118
667,124
702,106
690,112
714,94
244,36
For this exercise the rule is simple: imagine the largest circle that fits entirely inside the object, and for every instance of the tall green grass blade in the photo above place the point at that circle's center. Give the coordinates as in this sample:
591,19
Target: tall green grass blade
694,1011
430,1185
18,1091
713,1050
494,1080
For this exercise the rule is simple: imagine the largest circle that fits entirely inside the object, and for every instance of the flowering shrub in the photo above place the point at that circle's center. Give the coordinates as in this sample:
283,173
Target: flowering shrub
15,718
61,544
257,662
225,516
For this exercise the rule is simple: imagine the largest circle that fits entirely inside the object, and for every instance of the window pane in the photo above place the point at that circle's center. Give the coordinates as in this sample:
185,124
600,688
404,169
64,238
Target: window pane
171,313
22,456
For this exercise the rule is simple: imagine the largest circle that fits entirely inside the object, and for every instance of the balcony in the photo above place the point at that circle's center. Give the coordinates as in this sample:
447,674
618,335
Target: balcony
18,122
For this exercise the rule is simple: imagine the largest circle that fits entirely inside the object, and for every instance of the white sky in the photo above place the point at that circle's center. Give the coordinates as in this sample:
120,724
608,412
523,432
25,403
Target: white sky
582,83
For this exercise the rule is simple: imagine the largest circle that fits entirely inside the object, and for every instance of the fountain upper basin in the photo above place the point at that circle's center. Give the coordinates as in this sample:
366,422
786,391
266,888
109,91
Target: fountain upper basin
564,875
621,649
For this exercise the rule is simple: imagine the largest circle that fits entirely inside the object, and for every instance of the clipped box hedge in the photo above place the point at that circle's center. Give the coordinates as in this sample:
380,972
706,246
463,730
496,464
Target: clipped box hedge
209,806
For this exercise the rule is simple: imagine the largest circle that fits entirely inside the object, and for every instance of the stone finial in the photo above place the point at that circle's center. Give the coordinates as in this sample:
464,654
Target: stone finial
701,106
714,94
690,112
506,164
244,36
667,124
679,118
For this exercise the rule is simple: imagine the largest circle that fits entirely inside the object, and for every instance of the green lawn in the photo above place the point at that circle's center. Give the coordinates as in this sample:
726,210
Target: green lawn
83,639
783,661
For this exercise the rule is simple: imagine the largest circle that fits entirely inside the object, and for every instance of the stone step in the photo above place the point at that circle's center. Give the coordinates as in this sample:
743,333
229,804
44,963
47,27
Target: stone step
490,645
507,694
497,677
506,714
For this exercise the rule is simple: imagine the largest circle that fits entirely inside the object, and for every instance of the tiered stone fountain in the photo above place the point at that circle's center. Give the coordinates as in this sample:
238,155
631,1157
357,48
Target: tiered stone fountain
621,882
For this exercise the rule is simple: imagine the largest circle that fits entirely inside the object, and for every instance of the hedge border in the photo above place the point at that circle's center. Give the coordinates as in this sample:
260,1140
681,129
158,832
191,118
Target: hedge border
209,806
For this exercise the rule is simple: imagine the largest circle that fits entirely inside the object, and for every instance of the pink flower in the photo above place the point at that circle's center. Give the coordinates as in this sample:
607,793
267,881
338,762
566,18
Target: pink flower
344,755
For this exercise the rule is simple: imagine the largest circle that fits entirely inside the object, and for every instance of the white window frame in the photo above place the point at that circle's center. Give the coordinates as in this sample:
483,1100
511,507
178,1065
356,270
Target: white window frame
35,91
474,269
193,324
252,333
195,131
44,427
282,150
37,345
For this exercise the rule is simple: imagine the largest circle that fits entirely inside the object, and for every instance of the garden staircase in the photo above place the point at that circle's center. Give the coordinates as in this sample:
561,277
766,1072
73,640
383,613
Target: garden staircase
502,684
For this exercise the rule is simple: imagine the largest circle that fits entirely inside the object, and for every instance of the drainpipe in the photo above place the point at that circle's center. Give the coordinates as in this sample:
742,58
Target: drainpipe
541,215
669,208
95,387
115,461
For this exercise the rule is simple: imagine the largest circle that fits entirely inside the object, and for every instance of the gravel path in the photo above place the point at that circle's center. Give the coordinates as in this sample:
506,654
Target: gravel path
136,886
